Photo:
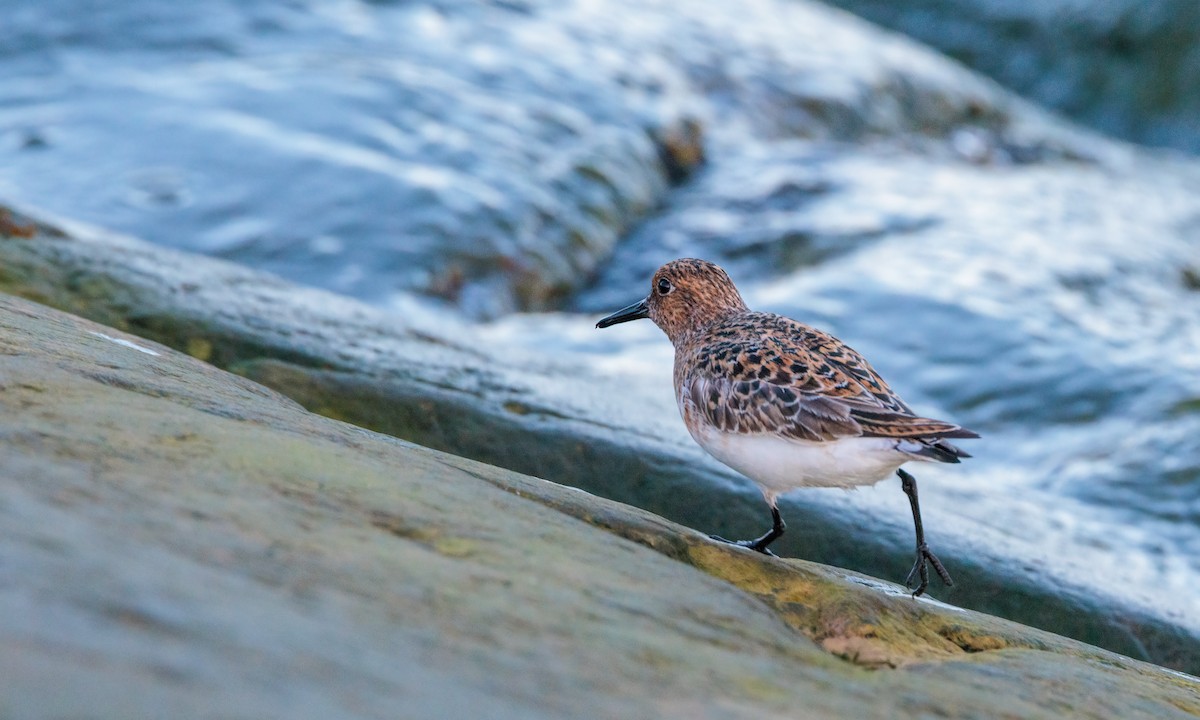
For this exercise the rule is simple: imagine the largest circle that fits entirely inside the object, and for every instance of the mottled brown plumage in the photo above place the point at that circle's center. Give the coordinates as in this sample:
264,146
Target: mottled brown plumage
784,403
756,372
763,373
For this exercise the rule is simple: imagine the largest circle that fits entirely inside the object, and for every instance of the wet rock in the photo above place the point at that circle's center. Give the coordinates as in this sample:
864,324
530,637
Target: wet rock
1126,67
516,396
195,542
1001,268
1190,277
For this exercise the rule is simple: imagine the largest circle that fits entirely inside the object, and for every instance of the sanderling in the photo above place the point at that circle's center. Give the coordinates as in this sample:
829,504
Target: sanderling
785,404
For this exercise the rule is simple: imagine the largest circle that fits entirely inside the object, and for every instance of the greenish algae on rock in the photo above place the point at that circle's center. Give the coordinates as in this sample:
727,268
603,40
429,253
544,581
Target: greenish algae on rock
405,375
181,541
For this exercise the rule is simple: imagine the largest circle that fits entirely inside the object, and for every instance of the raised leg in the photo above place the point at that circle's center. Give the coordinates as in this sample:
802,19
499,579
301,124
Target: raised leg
760,544
924,554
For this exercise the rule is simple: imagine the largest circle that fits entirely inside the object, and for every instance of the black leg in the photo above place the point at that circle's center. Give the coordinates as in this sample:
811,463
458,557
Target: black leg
760,544
924,554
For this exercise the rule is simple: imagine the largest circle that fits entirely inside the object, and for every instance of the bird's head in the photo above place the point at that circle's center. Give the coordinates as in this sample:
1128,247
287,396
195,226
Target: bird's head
686,295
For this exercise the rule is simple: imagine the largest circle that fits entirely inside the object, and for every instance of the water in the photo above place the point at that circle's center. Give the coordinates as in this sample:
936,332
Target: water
1126,67
364,149
1024,280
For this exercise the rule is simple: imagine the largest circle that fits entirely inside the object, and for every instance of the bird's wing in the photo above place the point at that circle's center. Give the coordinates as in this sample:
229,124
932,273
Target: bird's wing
795,381
757,406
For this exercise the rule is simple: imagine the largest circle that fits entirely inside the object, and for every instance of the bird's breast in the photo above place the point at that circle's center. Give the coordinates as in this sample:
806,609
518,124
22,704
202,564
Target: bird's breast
779,464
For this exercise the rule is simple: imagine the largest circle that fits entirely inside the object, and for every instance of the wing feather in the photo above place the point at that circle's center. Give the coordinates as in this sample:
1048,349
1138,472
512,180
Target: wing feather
798,382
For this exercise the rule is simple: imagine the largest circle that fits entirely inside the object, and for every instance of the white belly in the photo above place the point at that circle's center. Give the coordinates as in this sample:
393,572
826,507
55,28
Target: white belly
779,464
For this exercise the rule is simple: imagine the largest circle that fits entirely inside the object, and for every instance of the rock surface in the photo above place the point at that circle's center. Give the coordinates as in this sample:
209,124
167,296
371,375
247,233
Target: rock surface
443,383
1001,268
180,541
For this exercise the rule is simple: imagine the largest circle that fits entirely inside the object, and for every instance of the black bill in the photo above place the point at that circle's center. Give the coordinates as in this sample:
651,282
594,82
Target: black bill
636,311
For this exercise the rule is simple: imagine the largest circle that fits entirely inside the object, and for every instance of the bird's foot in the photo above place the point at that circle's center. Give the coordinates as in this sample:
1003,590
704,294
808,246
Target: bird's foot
921,571
757,545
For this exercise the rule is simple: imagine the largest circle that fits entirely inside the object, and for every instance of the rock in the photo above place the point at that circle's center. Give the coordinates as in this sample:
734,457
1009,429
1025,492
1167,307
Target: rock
1002,268
458,387
179,540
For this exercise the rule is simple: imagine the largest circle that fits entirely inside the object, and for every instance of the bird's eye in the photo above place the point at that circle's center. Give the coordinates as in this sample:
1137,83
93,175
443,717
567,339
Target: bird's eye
664,286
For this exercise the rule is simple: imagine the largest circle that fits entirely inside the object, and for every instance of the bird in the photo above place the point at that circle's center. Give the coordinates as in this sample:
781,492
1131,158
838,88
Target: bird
785,404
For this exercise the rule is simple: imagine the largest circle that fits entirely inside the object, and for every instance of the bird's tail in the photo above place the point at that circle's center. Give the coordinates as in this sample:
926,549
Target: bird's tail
935,449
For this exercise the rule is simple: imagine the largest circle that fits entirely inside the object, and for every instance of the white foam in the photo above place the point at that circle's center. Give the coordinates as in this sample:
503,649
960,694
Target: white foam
124,343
